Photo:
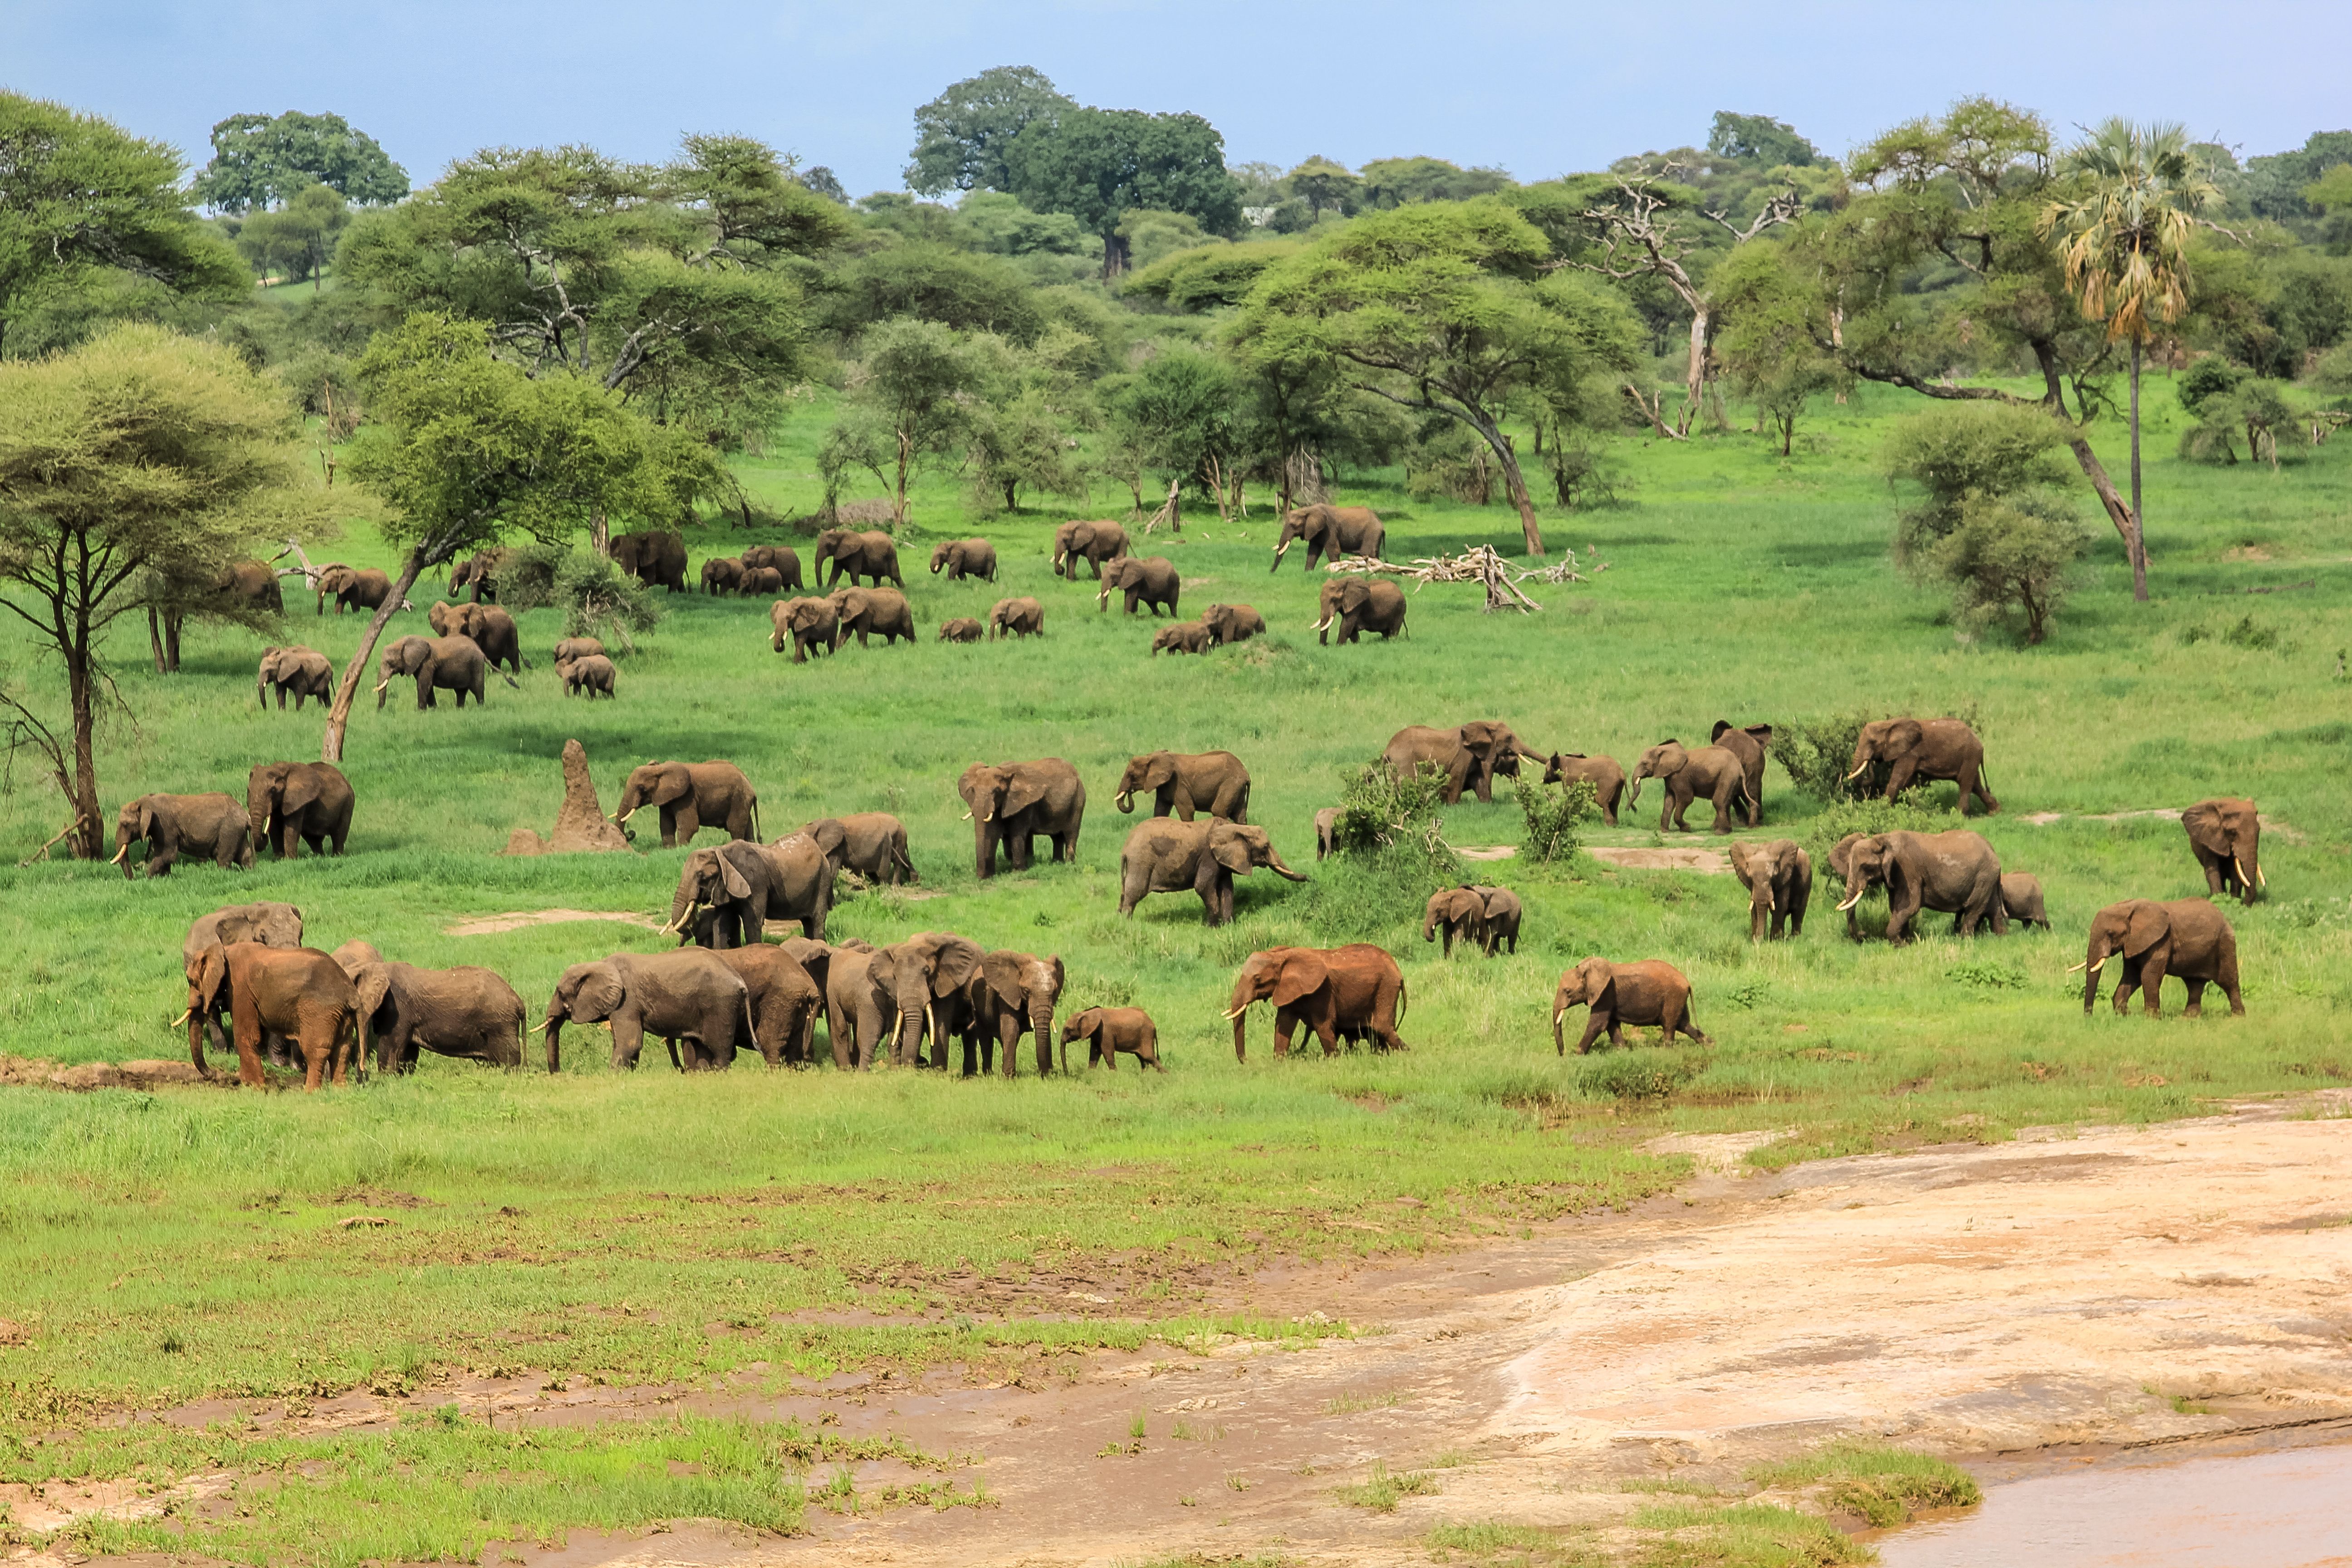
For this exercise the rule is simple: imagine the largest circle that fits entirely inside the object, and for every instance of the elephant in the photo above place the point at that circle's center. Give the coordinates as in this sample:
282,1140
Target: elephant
299,992
1014,992
1952,873
1470,754
309,801
1327,831
1231,624
963,628
871,843
688,995
1167,855
2227,837
1014,803
721,574
1357,990
2189,938
757,581
1021,617
440,664
690,794
1090,541
1779,878
304,671
1144,580
1181,637
1713,772
1649,991
856,555
728,895
353,955
867,610
653,556
568,649
590,672
1111,1030
364,589
174,824
856,1015
2020,896
815,959
270,924
492,629
1187,782
249,585
781,558
1751,745
925,979
467,1011
1452,912
480,572
1504,912
1928,749
1332,530
783,998
1358,607
963,558
1607,779
810,624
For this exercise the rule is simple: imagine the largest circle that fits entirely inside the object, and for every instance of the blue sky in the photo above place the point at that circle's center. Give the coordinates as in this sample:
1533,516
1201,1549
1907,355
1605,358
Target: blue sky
1540,88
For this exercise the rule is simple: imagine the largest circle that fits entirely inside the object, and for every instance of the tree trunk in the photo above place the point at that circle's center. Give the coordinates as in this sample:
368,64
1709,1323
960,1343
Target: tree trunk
600,532
2118,511
339,716
2136,543
88,842
898,505
155,640
1695,379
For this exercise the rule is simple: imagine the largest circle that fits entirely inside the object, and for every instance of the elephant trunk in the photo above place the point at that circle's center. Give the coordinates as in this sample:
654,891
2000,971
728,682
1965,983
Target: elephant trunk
1855,889
2094,965
1558,1039
1041,1024
1276,863
1760,910
554,1041
1125,799
121,852
1635,798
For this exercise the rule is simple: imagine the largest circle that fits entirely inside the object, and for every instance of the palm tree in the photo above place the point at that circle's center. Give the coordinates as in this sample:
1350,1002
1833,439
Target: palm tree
2136,191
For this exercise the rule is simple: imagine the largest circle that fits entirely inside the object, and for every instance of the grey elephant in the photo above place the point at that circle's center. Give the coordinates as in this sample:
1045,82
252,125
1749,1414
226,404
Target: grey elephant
653,556
440,664
1144,580
728,895
365,588
1751,744
1917,749
927,979
1096,541
721,574
590,672
781,558
1713,773
871,612
1187,782
815,959
1111,1030
783,999
1167,855
481,572
1014,803
688,997
1327,832
809,625
1021,617
467,1012
2226,836
1469,756
1953,873
2020,896
1231,624
1779,878
1014,994
1649,991
1181,637
1603,773
568,649
856,555
1332,530
1358,607
304,671
873,844
962,629
689,796
857,1016
2189,938
1486,917
961,558
311,801
492,629
172,826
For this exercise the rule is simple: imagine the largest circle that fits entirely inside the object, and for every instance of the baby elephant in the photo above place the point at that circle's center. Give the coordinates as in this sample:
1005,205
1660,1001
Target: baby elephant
590,672
1327,831
1021,617
963,628
1485,916
2020,895
1111,1030
571,648
1650,991
1184,636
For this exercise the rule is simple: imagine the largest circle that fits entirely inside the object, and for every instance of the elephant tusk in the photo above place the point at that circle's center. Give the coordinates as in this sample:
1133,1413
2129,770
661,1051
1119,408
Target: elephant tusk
1856,773
382,684
967,817
1557,1015
624,816
1237,1012
2262,877
1851,901
119,854
2241,866
181,1019
2085,964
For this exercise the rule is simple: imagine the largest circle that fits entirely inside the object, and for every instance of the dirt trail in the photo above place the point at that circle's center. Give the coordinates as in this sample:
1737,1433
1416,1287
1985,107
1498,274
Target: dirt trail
1966,1299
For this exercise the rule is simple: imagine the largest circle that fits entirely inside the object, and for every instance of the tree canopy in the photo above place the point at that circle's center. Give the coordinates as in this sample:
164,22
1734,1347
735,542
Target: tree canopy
962,136
1097,165
262,160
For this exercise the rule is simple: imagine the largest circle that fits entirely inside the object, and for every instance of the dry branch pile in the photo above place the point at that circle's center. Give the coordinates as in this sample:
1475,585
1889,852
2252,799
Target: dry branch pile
1482,564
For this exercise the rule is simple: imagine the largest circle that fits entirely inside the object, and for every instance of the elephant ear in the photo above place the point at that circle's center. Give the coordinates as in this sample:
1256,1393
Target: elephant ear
1902,736
1671,758
1161,771
1061,975
830,836
731,879
672,785
1025,790
1739,864
1083,1025
1229,846
1302,974
212,975
374,983
882,969
599,993
1842,854
1598,976
1354,595
299,788
1494,900
2204,824
2147,926
147,820
1002,969
956,960
1762,734
1715,736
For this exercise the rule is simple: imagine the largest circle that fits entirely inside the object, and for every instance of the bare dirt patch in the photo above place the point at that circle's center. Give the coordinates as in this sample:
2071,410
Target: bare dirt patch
491,925
1671,858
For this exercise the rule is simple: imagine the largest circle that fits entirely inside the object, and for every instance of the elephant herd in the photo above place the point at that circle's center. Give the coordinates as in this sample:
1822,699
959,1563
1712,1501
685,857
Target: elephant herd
285,804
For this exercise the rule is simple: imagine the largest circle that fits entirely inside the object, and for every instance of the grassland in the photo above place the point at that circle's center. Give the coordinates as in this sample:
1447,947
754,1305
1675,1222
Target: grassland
155,1247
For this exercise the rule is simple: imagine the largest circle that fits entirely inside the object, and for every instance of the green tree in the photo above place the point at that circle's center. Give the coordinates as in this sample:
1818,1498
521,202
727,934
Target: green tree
1176,415
961,136
1097,164
88,210
260,161
1767,344
1759,138
2132,193
1324,185
1992,523
934,283
1401,182
2010,551
1436,307
139,453
299,237
912,394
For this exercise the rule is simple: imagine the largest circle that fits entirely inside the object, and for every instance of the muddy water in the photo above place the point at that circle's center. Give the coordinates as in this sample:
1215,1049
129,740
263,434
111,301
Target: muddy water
2289,1509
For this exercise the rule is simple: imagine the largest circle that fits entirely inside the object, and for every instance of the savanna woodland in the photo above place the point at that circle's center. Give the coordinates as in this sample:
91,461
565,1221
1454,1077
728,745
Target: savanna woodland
1950,528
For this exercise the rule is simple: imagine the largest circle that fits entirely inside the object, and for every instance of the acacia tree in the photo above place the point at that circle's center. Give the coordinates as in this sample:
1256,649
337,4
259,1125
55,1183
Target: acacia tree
913,394
1438,308
260,161
138,453
1099,164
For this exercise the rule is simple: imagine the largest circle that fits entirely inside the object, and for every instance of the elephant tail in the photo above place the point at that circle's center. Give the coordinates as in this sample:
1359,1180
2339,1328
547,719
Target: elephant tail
1401,998
509,679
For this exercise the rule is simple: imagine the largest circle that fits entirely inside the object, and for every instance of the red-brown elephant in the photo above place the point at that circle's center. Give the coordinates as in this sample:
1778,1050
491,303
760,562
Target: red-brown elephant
1357,991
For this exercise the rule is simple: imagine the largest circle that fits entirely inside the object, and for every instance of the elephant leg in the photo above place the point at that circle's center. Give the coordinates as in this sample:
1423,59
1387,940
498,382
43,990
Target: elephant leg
1008,1040
1593,1024
1898,921
2151,985
1726,800
1900,778
2196,1007
1286,1022
1204,882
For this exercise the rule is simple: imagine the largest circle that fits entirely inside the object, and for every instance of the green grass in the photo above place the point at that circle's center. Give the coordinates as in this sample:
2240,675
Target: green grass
162,1247
1383,1489
1745,1535
1884,1485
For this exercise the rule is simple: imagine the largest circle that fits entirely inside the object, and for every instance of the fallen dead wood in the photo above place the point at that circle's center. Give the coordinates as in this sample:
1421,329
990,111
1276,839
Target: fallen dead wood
1482,564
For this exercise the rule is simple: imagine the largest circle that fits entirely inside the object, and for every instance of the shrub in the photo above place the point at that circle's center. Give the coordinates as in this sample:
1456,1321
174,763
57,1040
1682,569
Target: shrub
1912,811
1393,855
1884,1485
1818,752
1381,813
1962,450
1637,1074
1553,813
597,597
2005,553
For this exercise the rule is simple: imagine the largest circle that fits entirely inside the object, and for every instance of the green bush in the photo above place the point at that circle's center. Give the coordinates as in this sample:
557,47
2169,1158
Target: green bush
1381,814
1637,1074
1912,811
597,598
1553,814
1816,753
